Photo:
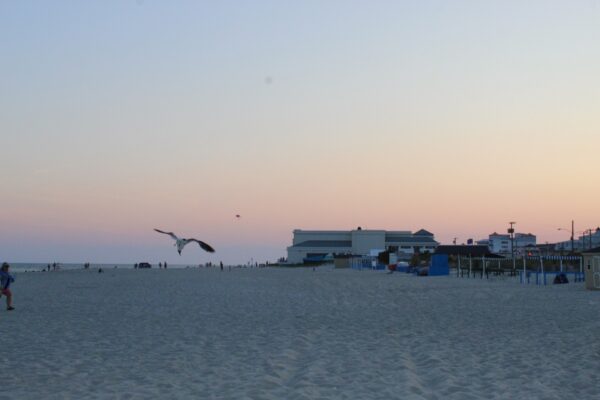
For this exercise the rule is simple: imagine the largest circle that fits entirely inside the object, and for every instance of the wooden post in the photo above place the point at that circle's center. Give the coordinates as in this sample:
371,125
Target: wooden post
561,264
483,268
470,265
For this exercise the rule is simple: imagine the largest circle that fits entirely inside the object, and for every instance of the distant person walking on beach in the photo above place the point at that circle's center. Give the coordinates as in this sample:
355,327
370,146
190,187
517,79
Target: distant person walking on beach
5,280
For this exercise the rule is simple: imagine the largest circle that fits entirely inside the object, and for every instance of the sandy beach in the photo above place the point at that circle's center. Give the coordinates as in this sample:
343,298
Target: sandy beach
296,334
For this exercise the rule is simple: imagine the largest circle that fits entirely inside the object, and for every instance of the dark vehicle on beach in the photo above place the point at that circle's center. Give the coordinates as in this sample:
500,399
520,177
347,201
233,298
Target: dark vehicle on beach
144,265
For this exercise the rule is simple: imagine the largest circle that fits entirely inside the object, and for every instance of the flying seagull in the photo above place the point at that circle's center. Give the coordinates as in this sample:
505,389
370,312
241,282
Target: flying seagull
181,242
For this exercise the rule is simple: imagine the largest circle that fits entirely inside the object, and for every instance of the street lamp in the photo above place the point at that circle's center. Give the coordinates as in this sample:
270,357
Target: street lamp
572,235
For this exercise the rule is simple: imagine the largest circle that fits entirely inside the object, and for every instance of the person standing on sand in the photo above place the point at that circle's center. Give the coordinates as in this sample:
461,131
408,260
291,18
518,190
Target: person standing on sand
5,280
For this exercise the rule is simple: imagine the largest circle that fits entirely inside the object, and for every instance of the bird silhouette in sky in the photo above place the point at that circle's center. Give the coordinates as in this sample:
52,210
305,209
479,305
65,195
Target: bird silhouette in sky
181,242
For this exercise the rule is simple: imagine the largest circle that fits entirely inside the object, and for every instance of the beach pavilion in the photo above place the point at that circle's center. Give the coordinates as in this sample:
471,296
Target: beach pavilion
311,244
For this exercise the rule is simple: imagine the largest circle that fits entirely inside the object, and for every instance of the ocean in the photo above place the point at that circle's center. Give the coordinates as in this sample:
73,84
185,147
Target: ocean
39,267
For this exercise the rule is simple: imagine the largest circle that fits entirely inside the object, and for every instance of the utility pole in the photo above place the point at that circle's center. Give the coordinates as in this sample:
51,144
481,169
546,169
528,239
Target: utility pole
572,237
511,231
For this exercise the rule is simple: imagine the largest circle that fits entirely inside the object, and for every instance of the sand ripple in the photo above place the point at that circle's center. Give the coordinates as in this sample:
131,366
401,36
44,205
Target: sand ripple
296,334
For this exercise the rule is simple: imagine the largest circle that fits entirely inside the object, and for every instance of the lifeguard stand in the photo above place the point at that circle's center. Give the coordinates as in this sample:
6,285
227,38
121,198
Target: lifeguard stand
591,266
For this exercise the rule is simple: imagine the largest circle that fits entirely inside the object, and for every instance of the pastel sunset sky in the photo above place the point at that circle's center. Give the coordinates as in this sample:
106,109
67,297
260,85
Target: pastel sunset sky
117,117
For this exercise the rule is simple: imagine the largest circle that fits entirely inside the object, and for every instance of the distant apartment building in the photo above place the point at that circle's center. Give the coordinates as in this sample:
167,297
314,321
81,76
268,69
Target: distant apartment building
589,240
500,243
313,244
523,240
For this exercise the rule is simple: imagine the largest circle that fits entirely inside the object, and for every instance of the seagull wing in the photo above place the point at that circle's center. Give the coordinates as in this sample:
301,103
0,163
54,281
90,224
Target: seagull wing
204,246
167,233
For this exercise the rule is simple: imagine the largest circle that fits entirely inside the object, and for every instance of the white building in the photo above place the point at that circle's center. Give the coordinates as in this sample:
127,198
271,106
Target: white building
312,245
501,243
523,240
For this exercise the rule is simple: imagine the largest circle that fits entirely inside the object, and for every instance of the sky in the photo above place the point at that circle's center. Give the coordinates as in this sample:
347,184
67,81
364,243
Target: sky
117,117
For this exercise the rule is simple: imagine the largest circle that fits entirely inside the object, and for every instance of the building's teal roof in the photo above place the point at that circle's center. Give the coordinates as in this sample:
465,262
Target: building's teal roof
423,232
